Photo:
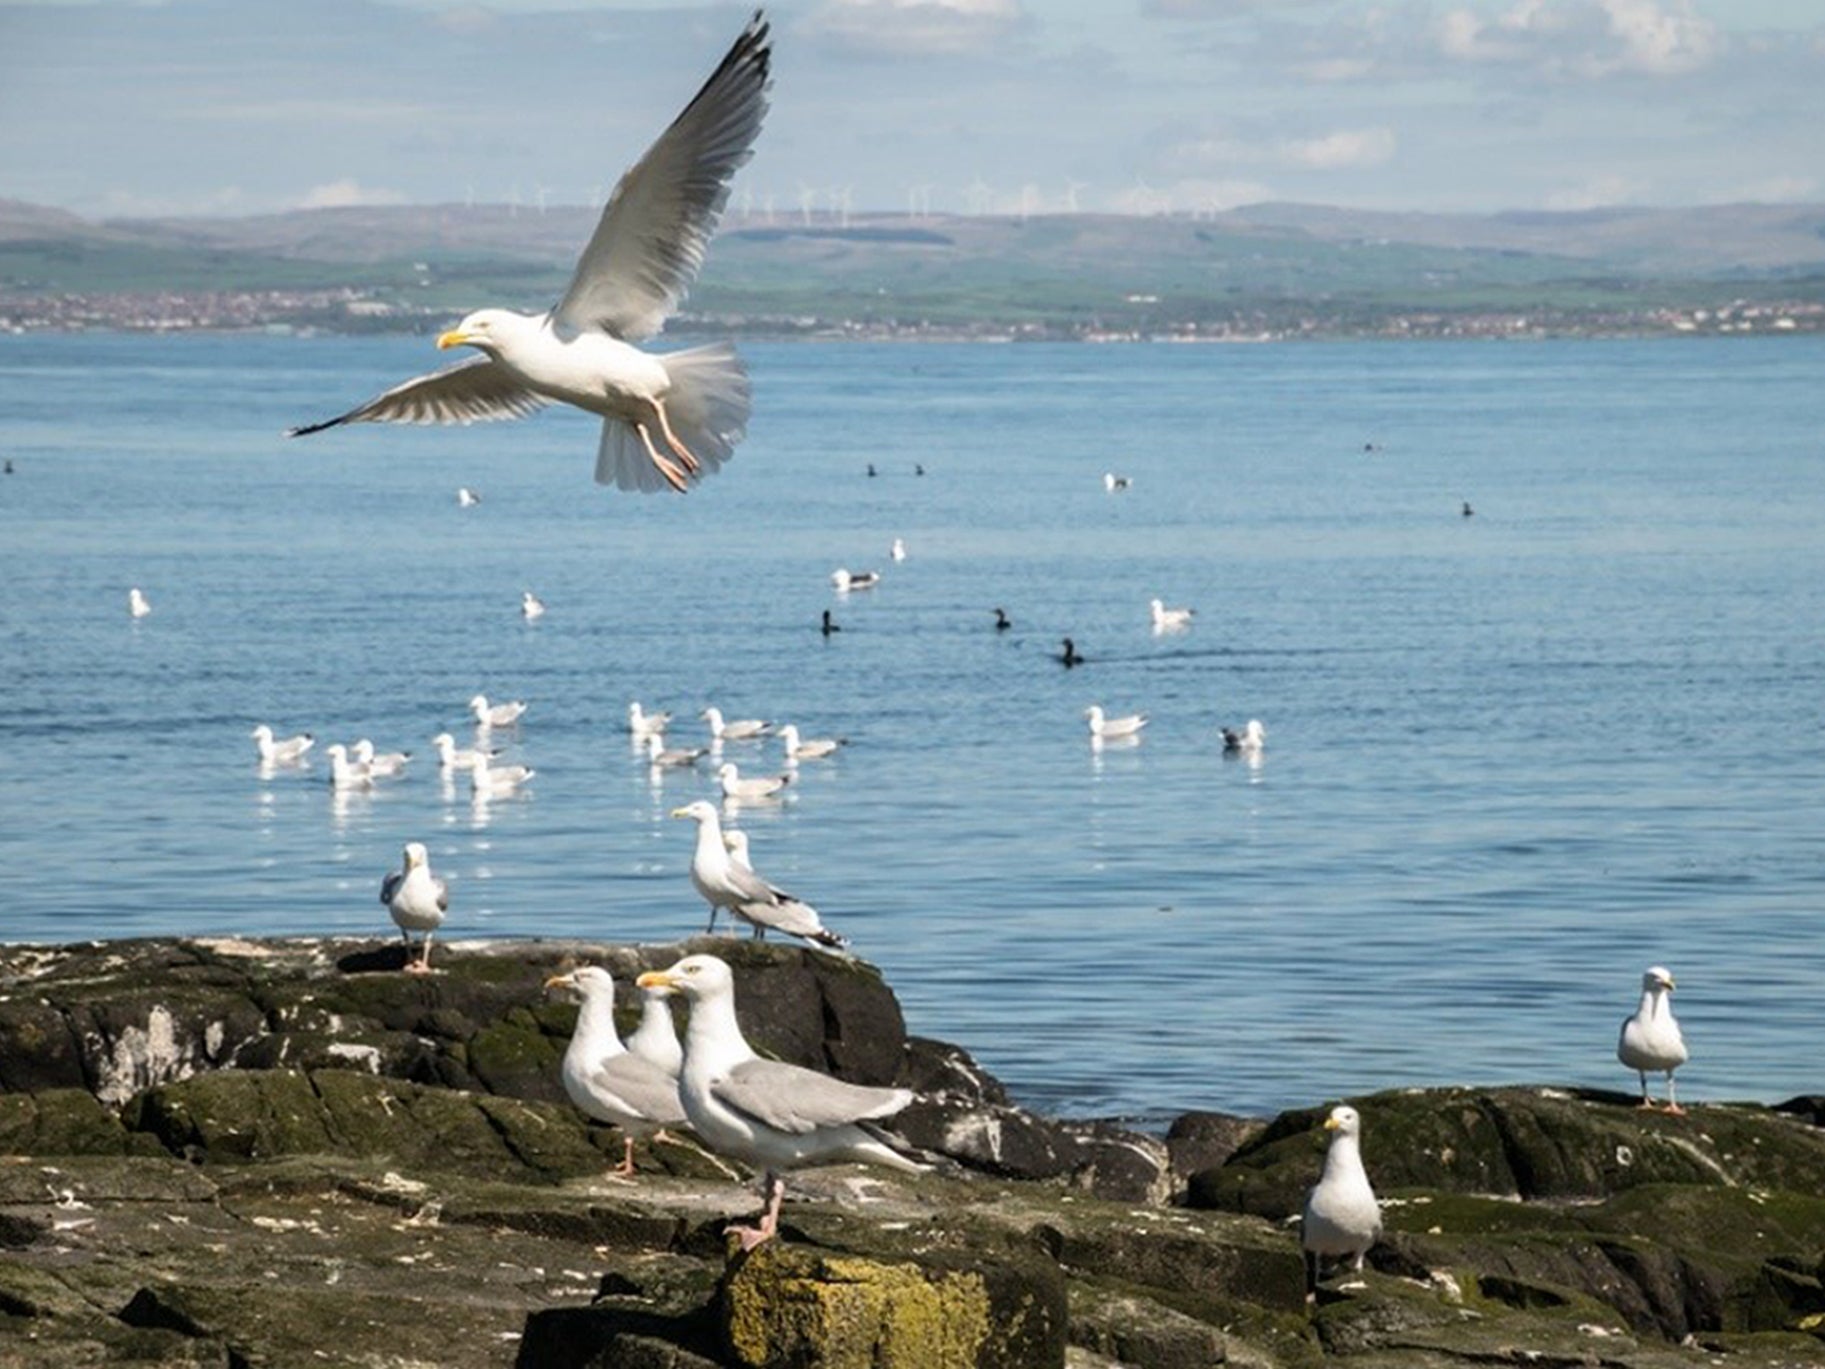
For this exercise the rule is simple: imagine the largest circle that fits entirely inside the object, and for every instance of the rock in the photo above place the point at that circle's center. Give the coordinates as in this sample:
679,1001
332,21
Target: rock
1205,1140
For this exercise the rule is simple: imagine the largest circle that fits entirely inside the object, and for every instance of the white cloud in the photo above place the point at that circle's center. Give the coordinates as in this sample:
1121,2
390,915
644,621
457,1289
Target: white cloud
1658,42
1776,190
346,193
1598,192
1587,38
1343,149
916,27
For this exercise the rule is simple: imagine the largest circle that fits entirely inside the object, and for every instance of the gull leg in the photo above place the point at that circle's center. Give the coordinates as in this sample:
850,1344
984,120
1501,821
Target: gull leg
1311,1276
422,965
673,476
1647,1103
627,1158
1672,1102
751,1236
671,438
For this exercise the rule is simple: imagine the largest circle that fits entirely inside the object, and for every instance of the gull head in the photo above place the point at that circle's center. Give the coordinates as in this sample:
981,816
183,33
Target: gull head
1657,978
491,330
416,855
588,980
1345,1121
699,809
696,976
737,844
789,735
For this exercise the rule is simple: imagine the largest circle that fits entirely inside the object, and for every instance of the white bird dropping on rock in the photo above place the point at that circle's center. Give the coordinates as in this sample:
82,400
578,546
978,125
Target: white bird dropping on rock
1651,1039
1342,1218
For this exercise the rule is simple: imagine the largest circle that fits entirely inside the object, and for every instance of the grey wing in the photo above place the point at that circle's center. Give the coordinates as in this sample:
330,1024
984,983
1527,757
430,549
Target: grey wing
390,885
639,1086
442,891
471,391
651,238
791,1099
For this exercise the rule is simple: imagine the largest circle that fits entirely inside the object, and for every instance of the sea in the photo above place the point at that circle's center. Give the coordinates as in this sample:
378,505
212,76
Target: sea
1536,631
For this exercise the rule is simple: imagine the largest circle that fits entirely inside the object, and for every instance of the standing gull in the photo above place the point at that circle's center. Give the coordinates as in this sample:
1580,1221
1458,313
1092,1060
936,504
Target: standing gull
1341,1217
780,911
646,250
766,1112
714,874
656,1038
603,1077
418,900
1651,1039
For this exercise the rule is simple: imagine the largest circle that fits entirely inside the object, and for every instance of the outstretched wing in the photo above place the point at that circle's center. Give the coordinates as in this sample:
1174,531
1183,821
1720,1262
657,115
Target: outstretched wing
795,1100
472,391
650,241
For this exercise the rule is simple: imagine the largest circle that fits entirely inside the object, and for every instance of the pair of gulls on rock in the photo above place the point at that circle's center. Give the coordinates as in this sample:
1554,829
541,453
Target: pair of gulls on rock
667,419
722,874
765,1113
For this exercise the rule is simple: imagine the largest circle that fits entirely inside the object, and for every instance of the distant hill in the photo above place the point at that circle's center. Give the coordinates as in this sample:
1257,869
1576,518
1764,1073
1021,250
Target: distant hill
1267,263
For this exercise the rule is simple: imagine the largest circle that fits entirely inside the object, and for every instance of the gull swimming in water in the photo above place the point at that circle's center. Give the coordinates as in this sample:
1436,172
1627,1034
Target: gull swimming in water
1342,1218
418,900
735,730
845,580
450,756
646,250
1170,619
808,748
779,911
749,790
531,606
1113,482
344,773
606,1080
467,498
898,549
662,757
379,764
1247,742
285,751
1104,729
766,1112
138,605
1651,1039
495,715
492,782
643,724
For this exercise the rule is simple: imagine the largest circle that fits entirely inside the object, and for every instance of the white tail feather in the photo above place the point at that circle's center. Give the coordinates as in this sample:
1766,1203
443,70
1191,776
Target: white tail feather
707,405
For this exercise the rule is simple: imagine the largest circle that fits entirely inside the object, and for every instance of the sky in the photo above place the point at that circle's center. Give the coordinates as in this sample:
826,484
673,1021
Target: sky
187,107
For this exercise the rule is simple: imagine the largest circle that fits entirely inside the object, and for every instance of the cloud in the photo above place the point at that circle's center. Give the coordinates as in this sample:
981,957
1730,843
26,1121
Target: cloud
1344,149
346,193
1599,192
916,27
1582,38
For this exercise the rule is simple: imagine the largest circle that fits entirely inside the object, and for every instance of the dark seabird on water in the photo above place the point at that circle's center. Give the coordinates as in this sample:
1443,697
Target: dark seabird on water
1002,621
1069,657
1468,511
830,624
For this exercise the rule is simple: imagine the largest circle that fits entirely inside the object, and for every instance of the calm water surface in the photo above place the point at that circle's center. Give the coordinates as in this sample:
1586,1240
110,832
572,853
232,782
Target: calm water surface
1513,758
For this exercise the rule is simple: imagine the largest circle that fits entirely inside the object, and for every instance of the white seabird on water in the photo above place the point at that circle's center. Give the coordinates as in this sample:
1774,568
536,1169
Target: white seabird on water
467,498
1170,619
843,580
644,724
1105,728
1651,1039
765,1112
1248,741
606,1080
497,781
646,250
418,900
780,912
531,606
663,757
495,715
379,764
898,549
1113,482
138,605
735,729
280,751
450,756
345,773
808,748
1342,1218
751,790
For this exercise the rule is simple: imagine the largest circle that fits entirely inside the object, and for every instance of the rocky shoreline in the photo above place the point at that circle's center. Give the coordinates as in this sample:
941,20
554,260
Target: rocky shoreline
286,1152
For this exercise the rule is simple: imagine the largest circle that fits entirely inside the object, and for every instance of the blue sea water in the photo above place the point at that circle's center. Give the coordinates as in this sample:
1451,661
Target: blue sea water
1512,759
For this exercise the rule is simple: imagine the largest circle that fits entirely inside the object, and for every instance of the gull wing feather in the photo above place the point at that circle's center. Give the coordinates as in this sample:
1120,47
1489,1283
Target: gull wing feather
650,242
751,887
794,1100
472,391
635,1085
394,878
443,895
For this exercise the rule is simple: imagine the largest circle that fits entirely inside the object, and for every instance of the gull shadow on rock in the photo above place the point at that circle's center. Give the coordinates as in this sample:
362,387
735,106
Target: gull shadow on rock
388,959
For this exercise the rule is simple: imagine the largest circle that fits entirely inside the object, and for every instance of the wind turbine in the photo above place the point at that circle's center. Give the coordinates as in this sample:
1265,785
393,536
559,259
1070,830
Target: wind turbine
807,201
978,195
1071,189
1029,201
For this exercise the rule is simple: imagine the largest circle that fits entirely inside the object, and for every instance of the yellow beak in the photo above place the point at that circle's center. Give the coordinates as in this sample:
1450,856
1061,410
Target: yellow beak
656,979
1330,1124
456,337
681,813
559,981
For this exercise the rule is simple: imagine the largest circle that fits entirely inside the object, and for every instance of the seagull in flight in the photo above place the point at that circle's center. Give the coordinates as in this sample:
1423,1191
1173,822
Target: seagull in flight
667,418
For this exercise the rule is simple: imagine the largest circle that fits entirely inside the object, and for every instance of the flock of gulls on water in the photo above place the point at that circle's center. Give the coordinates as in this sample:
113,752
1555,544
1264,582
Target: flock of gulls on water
668,421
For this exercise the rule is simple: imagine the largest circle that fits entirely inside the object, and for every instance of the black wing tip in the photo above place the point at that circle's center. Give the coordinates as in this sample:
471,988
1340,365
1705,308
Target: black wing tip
305,429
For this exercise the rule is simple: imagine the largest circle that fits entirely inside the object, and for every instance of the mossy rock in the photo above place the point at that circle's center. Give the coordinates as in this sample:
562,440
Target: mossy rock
64,1122
793,1306
235,1115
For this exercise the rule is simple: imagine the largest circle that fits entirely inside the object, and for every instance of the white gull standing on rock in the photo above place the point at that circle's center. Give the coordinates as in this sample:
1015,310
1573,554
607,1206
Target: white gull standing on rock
603,1078
1342,1218
779,911
656,1038
1651,1039
418,900
765,1112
